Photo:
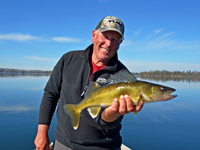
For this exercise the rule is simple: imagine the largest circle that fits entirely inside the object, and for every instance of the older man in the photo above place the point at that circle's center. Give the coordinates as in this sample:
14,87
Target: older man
70,77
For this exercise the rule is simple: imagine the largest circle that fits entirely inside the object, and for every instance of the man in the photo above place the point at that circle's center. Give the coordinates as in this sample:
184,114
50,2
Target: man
70,77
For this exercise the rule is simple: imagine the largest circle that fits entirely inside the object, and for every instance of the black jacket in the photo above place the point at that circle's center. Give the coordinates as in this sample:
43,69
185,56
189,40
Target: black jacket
69,78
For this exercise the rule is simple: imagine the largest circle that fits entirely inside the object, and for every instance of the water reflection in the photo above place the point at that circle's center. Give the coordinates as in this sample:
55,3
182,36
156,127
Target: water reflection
17,109
23,75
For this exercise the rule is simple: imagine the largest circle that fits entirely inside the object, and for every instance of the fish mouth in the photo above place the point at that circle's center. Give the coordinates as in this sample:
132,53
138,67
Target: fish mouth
170,97
166,96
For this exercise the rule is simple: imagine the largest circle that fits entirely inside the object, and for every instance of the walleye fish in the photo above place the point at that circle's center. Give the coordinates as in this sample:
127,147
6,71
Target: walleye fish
121,83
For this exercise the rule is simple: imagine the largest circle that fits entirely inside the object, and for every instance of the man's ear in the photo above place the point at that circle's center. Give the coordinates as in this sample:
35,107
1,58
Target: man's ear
121,40
94,34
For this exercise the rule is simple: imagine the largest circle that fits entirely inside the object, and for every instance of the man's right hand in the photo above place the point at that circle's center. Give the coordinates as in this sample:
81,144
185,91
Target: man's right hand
42,139
123,107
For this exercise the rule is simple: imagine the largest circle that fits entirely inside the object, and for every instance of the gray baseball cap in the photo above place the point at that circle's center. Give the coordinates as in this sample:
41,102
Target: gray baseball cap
111,23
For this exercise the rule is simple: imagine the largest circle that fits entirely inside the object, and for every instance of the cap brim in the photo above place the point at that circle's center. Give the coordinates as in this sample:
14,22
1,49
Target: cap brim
110,29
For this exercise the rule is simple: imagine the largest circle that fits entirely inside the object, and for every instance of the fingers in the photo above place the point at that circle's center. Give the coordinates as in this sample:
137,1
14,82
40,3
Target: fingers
126,105
115,105
129,103
42,141
123,105
119,108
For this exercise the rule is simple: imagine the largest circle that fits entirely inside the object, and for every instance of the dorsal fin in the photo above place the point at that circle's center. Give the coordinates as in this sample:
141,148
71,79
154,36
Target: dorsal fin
121,76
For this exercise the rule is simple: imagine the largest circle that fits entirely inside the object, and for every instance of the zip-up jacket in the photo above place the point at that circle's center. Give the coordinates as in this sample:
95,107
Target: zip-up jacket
66,84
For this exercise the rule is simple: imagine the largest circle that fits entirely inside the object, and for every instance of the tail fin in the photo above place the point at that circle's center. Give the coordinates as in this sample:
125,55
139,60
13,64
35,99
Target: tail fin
74,114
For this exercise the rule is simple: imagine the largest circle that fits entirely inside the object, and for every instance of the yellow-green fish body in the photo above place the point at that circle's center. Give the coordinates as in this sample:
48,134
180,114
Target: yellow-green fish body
122,83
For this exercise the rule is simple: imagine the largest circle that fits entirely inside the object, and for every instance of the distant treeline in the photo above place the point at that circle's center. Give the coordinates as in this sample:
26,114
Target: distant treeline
165,73
19,72
6,71
188,76
153,75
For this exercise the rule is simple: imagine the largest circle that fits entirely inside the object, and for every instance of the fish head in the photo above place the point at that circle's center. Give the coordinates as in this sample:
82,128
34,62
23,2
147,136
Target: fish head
160,93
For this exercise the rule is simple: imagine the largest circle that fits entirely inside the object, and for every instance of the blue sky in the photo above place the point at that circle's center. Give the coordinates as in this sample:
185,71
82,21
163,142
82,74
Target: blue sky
159,34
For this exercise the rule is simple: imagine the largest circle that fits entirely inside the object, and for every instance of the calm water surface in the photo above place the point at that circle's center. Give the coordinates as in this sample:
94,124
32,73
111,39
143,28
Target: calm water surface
171,125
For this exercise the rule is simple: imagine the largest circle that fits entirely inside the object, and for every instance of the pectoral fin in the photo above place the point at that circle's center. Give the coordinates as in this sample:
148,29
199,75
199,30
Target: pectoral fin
138,102
93,111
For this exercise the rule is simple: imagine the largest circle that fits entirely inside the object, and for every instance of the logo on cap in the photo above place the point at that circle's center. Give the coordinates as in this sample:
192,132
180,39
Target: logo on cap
111,23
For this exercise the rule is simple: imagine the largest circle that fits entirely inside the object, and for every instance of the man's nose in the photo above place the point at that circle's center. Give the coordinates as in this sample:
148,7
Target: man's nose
108,42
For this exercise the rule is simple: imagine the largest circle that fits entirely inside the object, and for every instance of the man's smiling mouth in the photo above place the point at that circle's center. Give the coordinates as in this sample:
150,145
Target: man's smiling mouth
105,50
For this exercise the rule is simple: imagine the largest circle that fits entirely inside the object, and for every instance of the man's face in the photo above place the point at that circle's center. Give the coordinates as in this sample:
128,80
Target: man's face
106,45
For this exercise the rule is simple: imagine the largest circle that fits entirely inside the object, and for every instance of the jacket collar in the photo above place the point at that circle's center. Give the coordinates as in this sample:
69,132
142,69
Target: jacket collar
87,53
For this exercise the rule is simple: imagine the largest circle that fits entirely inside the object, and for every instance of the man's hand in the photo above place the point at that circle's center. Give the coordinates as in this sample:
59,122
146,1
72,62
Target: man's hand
117,109
42,139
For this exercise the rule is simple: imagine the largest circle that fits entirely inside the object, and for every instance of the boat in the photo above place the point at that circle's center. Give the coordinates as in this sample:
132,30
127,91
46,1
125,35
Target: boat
123,147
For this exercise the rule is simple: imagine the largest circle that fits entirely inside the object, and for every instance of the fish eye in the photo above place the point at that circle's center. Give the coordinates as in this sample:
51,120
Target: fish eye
163,89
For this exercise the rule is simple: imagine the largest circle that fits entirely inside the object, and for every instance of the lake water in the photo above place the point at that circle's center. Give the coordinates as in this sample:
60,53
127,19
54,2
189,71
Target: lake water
170,125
